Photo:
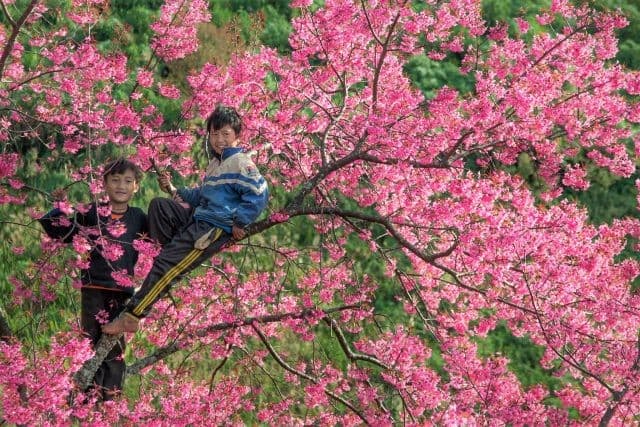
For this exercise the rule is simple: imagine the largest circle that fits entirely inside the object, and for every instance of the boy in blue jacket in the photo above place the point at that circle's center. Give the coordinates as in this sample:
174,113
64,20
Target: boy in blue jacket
100,292
198,222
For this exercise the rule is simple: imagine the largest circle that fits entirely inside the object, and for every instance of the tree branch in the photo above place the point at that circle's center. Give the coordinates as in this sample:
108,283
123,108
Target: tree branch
618,395
15,29
301,374
84,376
353,356
388,224
7,14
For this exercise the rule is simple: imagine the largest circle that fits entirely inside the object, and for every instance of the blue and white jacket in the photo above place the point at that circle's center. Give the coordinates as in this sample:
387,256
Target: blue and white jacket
233,191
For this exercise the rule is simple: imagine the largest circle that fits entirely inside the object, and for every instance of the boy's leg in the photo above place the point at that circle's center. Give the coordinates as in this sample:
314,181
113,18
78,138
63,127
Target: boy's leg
176,259
113,366
91,304
166,217
110,373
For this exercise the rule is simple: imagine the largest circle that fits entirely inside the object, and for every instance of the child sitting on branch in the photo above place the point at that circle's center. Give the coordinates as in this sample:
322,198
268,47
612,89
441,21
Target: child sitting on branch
231,196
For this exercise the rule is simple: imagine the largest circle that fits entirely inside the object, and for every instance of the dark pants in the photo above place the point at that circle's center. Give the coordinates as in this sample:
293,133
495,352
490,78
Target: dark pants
173,226
92,302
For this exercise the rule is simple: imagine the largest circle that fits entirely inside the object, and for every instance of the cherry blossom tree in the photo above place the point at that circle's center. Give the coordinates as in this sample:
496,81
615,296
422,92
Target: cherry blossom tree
398,234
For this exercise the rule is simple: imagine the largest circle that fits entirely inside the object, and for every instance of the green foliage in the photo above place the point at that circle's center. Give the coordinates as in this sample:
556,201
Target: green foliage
271,16
251,6
129,29
122,6
276,30
495,11
524,357
609,197
429,75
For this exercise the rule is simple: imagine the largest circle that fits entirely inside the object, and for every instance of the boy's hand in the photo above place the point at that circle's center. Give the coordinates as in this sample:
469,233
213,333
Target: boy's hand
238,232
164,179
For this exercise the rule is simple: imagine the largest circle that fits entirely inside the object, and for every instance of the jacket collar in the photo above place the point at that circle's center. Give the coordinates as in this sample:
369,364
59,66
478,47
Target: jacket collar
230,151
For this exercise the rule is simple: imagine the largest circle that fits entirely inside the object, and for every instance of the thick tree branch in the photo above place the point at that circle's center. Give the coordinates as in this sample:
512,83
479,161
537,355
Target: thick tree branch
418,165
386,223
84,376
323,172
154,357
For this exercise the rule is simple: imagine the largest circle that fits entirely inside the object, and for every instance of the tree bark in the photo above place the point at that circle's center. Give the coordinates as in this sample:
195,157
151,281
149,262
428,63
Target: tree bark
84,376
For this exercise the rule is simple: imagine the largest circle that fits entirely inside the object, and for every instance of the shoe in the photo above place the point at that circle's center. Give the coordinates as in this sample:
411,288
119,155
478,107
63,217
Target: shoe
126,322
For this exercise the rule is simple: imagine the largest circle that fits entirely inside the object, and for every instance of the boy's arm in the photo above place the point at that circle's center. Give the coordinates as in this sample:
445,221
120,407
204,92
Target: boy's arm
57,226
190,195
254,195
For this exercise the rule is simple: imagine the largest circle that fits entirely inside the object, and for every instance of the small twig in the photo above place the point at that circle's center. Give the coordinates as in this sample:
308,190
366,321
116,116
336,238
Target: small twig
353,356
15,29
217,369
301,374
12,22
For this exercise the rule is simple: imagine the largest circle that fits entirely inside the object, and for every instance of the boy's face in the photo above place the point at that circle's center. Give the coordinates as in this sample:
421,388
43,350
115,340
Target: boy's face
121,186
222,138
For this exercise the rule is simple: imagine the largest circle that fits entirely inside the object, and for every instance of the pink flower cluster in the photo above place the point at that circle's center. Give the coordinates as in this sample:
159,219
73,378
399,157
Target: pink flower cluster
176,28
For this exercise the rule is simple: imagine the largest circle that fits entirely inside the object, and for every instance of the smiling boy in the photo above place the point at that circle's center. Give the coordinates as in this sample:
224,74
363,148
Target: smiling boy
111,229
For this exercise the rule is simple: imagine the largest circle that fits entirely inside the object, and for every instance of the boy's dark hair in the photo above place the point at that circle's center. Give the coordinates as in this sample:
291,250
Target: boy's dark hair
223,116
120,166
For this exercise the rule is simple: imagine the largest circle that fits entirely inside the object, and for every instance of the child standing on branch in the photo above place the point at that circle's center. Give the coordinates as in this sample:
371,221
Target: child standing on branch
111,228
199,222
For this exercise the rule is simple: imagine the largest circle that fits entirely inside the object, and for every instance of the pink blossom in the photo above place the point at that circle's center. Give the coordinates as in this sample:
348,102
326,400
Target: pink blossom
278,217
81,245
111,251
64,206
575,177
176,34
145,78
523,25
8,164
117,228
399,233
168,90
122,278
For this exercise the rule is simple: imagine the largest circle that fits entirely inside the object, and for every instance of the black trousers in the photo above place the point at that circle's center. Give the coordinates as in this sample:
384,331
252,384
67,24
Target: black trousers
173,226
93,302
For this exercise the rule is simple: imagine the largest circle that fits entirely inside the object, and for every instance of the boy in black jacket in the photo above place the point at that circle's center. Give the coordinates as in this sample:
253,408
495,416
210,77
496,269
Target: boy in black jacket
111,228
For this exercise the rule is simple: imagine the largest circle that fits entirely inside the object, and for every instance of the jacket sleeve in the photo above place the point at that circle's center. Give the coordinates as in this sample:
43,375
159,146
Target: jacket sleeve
190,195
254,194
57,226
